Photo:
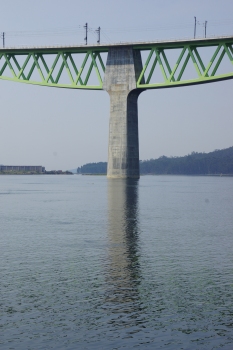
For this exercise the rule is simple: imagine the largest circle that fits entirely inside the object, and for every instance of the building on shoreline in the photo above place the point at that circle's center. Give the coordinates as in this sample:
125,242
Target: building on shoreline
23,168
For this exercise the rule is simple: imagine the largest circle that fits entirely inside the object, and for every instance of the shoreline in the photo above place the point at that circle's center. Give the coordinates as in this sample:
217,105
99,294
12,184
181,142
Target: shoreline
28,173
96,174
151,174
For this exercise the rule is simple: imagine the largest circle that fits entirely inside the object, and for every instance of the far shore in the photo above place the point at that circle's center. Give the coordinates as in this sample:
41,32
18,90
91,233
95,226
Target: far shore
150,174
53,172
96,174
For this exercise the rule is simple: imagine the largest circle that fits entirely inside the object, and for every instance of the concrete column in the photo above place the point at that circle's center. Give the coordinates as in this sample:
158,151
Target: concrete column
122,70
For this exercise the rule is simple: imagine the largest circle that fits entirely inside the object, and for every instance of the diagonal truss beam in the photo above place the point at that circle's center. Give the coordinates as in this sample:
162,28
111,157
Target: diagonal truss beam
51,73
173,75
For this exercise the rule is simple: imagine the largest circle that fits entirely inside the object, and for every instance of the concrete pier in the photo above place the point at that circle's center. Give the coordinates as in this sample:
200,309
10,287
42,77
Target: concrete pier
122,70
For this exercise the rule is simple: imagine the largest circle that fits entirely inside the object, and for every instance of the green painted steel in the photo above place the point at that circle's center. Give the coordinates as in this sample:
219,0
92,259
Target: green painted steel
52,64
171,76
50,74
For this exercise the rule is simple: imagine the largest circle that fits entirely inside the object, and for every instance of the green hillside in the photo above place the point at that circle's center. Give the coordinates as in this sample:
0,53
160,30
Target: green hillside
213,163
93,168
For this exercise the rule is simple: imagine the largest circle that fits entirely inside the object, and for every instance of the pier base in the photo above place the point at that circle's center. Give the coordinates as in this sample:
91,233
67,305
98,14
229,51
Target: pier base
122,70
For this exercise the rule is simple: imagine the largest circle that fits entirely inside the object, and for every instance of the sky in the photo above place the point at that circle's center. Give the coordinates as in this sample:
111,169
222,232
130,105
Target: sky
65,128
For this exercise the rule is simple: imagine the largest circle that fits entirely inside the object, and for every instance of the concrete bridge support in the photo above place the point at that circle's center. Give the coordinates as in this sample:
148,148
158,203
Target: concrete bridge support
122,70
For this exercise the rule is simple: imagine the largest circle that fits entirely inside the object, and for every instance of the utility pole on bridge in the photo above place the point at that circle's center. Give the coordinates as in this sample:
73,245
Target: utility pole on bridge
98,32
86,27
205,28
3,39
195,26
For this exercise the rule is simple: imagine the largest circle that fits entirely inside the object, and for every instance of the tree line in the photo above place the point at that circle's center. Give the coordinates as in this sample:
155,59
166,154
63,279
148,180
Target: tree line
213,163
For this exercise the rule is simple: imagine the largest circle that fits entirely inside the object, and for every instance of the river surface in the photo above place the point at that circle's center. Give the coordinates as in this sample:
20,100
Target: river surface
91,263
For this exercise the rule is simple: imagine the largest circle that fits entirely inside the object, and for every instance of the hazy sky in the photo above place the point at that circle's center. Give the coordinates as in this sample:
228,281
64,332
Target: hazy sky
65,128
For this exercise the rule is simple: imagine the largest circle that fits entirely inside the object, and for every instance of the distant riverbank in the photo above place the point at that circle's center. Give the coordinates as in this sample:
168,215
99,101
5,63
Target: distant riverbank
216,163
216,175
53,172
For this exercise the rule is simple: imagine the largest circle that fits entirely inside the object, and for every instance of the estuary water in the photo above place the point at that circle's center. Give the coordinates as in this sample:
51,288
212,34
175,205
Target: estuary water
91,263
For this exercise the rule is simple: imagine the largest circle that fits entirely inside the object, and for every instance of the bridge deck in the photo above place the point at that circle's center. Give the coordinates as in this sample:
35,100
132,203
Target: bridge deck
211,41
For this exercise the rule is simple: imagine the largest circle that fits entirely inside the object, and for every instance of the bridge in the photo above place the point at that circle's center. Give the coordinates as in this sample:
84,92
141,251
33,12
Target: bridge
124,76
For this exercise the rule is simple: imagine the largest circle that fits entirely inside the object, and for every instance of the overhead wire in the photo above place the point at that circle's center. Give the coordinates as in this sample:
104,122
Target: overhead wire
106,36
105,31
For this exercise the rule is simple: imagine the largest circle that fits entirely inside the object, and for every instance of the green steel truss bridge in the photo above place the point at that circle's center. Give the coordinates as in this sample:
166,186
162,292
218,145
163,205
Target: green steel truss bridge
79,63
123,70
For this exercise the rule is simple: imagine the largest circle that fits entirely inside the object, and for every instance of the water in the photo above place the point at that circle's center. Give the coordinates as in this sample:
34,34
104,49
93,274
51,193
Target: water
89,263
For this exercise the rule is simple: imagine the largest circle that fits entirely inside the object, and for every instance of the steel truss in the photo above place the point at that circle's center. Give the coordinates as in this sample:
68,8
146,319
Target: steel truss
19,65
172,75
51,74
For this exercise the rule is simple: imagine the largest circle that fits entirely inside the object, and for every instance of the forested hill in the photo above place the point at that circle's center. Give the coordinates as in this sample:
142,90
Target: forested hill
216,162
93,168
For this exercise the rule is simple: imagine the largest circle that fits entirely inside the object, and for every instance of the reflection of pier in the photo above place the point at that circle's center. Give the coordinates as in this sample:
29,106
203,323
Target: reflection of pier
123,275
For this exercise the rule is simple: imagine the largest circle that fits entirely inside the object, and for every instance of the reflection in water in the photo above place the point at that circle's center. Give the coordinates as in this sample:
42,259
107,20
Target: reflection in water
123,276
76,274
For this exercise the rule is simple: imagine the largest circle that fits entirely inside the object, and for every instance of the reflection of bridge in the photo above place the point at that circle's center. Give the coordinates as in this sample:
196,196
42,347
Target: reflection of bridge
124,76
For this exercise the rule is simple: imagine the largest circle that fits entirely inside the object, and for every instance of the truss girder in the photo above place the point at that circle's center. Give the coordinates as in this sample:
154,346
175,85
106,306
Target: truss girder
51,66
171,76
50,72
